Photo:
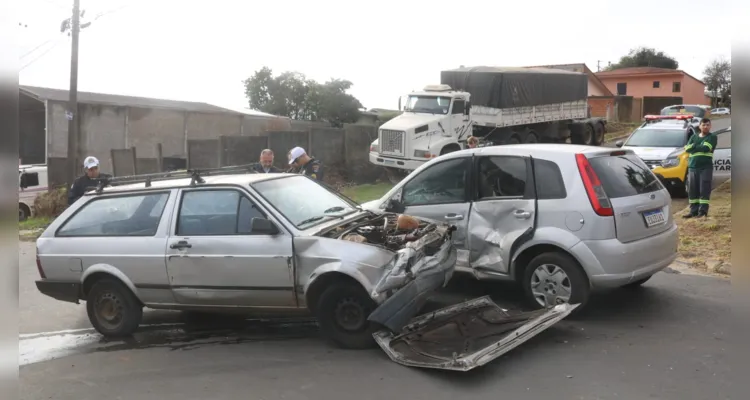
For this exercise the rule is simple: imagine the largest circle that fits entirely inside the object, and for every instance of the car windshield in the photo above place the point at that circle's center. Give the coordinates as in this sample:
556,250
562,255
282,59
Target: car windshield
658,138
428,104
698,112
303,201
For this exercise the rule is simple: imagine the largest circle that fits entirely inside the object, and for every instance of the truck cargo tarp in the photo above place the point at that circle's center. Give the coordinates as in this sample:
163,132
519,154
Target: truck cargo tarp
517,87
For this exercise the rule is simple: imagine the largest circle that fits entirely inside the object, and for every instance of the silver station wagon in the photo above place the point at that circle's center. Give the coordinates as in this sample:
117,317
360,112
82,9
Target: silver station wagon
273,243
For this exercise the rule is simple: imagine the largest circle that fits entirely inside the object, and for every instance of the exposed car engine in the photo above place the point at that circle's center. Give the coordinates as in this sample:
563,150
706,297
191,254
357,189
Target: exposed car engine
394,232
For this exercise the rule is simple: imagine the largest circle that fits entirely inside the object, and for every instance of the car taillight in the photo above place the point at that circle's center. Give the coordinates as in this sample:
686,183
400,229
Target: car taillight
39,267
597,196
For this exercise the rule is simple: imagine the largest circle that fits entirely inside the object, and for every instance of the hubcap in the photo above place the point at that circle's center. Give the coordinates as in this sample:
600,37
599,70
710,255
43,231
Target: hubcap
550,285
109,310
350,315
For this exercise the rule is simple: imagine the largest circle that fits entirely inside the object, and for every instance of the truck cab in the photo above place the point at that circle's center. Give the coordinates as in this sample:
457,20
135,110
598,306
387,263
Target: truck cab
435,121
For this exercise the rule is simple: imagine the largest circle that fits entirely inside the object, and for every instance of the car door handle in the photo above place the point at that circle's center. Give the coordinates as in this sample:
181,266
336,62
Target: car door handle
521,214
182,244
453,217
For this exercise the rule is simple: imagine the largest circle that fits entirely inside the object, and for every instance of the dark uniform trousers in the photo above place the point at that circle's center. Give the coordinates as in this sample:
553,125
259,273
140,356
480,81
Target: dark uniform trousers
699,189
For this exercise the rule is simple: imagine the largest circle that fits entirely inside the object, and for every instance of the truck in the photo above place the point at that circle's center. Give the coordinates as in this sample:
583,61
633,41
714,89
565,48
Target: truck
496,105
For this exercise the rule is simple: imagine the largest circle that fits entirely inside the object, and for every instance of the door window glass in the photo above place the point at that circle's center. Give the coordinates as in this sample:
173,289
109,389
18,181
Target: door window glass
215,212
441,183
133,215
501,177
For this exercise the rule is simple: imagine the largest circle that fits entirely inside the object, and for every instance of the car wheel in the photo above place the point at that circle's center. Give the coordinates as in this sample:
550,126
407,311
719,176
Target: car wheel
555,278
638,283
113,309
23,212
598,134
342,312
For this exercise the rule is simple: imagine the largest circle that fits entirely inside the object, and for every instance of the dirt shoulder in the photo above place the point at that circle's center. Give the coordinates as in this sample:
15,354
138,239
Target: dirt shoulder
706,243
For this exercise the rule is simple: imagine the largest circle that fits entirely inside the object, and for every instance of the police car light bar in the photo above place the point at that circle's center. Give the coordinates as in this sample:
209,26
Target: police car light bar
661,117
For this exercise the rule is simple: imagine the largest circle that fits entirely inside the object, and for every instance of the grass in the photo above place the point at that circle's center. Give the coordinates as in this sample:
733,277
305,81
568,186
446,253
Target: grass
709,238
34,224
364,193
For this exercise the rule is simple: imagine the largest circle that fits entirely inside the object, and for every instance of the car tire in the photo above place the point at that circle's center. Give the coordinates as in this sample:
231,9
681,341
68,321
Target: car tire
638,283
574,280
342,312
23,212
598,138
113,309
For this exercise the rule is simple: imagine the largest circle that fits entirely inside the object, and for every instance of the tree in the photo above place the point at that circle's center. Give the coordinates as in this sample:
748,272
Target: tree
293,95
718,79
645,57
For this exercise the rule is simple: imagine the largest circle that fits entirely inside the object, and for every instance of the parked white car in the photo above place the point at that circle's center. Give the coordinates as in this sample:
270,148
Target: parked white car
720,111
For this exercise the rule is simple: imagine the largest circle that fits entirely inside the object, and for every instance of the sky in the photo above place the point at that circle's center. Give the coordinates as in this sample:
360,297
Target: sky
203,50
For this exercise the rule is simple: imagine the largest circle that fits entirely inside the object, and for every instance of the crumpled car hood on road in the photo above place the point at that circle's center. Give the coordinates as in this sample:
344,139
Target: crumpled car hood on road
466,335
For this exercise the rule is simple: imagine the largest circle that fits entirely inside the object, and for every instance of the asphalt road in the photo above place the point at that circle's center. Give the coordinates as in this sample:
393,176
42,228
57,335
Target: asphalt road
664,341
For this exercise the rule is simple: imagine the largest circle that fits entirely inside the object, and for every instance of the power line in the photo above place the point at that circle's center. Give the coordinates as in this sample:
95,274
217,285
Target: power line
35,48
41,55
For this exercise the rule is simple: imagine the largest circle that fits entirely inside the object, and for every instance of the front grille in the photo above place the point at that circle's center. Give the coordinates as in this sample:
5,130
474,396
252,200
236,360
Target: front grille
391,142
652,163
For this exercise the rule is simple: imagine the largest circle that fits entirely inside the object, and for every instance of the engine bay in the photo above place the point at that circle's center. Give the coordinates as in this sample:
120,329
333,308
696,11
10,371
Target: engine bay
394,232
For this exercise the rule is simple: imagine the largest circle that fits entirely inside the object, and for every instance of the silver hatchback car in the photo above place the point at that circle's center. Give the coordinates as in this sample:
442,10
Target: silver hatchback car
259,243
560,220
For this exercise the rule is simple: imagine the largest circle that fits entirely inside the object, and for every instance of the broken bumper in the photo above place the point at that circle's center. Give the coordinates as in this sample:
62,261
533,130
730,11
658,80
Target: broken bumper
467,335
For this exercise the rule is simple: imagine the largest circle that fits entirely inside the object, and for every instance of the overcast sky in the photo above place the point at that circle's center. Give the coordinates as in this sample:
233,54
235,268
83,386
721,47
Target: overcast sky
202,50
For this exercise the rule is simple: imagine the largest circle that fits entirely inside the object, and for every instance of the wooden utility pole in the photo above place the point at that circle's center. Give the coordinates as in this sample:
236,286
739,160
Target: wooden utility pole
73,152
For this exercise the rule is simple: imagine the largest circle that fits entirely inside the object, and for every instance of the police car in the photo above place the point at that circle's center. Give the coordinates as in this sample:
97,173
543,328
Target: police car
660,143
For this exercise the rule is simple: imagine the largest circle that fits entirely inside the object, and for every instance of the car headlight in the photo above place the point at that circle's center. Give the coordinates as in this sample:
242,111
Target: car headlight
670,162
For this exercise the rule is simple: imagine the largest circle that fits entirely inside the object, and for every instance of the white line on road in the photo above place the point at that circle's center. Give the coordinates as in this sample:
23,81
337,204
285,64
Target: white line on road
88,330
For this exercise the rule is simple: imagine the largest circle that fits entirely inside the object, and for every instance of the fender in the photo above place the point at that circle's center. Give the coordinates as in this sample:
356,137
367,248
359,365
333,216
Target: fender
110,270
552,236
337,268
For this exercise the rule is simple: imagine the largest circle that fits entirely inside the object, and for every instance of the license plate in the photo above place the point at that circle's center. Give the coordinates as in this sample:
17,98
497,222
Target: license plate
654,217
388,162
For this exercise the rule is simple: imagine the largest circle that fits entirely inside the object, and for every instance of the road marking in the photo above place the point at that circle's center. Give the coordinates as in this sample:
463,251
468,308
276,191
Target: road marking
90,330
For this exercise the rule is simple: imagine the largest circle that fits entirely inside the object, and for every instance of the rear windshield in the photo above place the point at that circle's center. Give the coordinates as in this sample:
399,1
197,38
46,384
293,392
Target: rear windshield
698,112
658,138
624,176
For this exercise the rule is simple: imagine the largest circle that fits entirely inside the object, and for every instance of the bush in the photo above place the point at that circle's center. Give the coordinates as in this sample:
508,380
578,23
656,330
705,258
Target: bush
52,203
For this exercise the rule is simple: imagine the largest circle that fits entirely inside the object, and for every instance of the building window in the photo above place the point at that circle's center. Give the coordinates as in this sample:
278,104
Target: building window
656,84
622,88
676,86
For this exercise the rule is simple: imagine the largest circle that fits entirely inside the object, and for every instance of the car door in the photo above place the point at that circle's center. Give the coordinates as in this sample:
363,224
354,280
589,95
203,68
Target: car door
460,120
214,258
439,192
503,212
723,157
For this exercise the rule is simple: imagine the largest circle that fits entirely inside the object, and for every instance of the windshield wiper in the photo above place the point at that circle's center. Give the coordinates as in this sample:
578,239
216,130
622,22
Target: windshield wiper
326,215
334,209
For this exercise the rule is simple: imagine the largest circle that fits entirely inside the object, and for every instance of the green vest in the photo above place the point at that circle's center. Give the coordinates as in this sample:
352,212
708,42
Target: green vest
701,151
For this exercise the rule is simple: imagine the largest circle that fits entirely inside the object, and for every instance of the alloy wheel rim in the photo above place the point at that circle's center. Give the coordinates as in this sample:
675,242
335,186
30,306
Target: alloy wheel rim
550,285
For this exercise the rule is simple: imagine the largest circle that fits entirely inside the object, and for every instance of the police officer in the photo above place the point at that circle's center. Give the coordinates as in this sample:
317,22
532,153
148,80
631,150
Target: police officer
305,164
700,149
88,181
265,166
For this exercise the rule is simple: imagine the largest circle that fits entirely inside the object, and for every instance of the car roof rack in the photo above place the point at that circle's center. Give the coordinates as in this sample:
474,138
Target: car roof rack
196,176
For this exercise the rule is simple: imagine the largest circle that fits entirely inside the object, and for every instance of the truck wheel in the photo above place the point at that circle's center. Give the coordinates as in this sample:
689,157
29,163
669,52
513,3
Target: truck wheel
582,134
598,134
531,137
23,212
342,312
552,278
113,309
395,175
450,149
513,140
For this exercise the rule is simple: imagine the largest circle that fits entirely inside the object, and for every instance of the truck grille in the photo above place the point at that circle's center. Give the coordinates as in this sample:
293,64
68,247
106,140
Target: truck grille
391,142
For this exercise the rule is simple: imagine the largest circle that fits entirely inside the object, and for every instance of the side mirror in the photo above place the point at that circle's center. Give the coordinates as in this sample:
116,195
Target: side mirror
395,206
619,143
29,179
263,226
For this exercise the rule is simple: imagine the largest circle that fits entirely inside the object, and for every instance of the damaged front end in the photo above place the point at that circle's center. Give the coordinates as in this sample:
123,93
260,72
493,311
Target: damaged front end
466,335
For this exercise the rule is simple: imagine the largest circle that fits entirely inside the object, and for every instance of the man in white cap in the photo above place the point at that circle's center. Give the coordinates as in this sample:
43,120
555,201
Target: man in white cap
305,164
87,181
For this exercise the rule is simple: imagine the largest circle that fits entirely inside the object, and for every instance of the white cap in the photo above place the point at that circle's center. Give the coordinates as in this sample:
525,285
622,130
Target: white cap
296,153
90,162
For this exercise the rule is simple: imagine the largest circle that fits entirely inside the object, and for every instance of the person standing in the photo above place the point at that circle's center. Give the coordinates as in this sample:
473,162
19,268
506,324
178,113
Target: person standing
472,142
87,181
305,164
700,149
265,166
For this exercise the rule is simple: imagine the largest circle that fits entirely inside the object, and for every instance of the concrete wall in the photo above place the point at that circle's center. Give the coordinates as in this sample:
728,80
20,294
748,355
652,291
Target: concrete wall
104,128
616,108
